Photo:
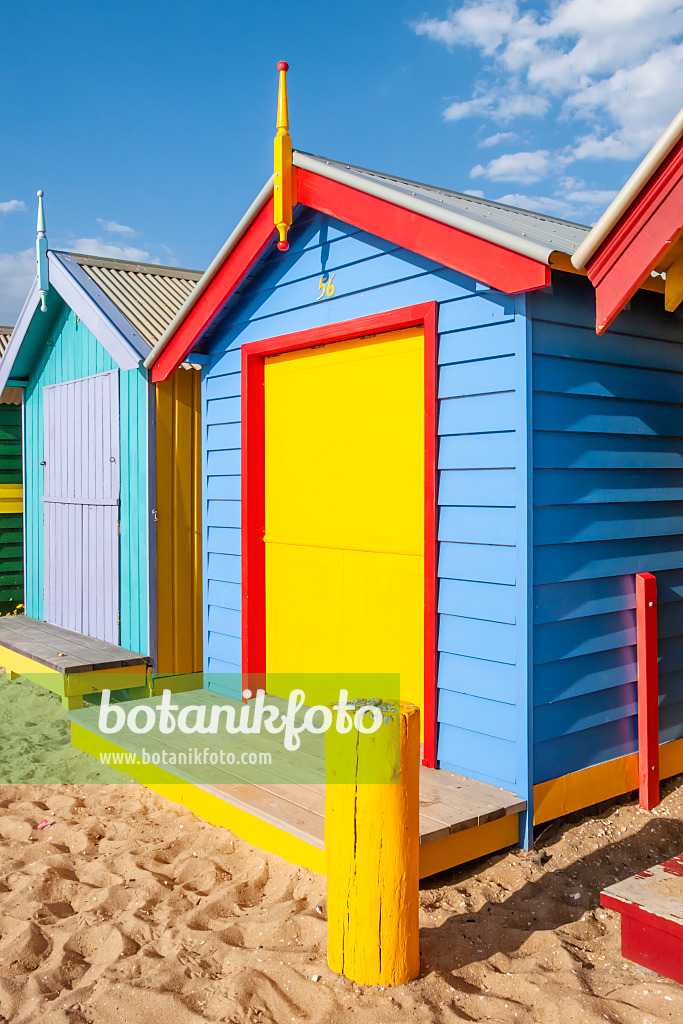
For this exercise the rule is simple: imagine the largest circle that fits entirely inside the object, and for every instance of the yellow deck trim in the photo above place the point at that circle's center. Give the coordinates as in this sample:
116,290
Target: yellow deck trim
11,498
69,684
435,856
569,793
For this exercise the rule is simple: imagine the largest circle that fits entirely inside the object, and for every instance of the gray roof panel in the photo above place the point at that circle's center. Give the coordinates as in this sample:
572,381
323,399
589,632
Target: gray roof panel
533,234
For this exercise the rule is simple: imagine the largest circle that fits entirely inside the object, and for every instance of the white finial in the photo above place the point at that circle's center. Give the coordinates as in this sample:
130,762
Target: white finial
42,272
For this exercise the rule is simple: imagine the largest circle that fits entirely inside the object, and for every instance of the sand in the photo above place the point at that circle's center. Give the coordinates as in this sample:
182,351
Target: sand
130,910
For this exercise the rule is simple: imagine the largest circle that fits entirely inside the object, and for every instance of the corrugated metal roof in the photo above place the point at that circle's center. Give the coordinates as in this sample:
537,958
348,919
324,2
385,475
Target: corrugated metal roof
149,296
5,333
519,230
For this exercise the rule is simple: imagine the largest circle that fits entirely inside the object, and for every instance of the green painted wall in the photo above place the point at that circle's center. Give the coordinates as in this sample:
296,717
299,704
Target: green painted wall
67,351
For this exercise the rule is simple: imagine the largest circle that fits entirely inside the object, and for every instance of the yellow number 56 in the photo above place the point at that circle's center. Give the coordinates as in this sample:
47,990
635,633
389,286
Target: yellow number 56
326,288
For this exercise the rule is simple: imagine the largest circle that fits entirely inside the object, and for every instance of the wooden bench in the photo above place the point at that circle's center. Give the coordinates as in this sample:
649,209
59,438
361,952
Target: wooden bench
68,663
651,908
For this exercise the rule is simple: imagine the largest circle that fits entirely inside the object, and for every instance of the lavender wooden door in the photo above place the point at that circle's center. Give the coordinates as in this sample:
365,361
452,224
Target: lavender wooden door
81,505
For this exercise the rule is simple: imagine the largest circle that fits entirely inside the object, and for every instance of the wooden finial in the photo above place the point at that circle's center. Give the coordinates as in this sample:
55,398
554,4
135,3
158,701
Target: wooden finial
41,253
283,187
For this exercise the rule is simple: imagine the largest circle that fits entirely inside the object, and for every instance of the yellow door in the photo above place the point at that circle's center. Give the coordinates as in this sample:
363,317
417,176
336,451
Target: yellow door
344,509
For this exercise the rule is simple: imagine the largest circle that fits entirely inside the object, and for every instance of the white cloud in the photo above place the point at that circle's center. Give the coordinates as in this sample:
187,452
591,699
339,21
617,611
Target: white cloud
639,103
475,192
599,197
580,204
12,206
523,167
17,270
500,105
484,24
115,228
97,247
477,105
610,65
555,206
495,140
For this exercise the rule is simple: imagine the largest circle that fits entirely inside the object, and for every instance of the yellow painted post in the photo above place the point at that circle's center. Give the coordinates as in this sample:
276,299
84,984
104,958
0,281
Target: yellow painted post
372,843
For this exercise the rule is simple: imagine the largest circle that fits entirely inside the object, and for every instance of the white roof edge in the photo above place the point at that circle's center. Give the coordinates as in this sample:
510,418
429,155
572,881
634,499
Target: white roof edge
99,314
524,246
633,186
18,334
210,272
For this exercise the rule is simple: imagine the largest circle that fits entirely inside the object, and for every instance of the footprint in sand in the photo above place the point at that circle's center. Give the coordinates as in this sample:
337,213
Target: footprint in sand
23,950
101,943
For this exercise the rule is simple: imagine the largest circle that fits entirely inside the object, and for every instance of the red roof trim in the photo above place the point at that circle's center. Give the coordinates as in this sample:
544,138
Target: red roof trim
500,268
506,271
639,240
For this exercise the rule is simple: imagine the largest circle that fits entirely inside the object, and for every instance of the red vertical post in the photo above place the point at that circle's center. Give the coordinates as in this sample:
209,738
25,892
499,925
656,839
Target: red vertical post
648,690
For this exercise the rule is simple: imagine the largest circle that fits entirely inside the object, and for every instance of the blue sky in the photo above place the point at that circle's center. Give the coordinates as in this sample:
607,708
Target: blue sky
149,125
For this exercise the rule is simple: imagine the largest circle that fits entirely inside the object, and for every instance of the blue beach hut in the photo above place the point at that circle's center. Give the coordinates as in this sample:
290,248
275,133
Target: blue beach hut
359,330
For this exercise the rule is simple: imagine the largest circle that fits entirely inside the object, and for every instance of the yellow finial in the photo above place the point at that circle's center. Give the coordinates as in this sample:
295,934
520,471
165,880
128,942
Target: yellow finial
284,175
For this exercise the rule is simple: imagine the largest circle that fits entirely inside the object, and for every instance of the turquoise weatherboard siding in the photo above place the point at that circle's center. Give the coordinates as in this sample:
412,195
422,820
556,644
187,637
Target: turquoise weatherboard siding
482,356
608,496
63,349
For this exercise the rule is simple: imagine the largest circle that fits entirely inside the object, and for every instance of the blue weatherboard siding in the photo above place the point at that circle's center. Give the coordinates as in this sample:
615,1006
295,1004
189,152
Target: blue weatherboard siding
608,456
63,349
482,357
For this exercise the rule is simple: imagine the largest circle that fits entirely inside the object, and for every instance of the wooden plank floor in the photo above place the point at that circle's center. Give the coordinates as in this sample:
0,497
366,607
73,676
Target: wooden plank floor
448,803
62,649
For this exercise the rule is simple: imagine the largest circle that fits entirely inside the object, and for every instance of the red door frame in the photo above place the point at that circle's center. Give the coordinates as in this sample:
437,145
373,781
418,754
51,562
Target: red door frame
253,483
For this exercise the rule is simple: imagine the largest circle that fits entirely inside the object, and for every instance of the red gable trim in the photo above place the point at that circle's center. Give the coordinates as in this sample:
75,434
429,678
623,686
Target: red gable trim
506,271
238,263
638,241
500,268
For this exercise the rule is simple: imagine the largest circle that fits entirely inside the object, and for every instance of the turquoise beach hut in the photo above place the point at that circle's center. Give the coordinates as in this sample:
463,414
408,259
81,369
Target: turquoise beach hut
110,475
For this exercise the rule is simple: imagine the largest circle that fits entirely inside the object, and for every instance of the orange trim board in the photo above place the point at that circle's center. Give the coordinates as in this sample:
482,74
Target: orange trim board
569,793
438,855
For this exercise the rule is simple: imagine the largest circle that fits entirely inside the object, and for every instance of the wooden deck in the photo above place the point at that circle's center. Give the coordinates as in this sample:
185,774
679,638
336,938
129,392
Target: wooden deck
62,650
651,908
449,804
